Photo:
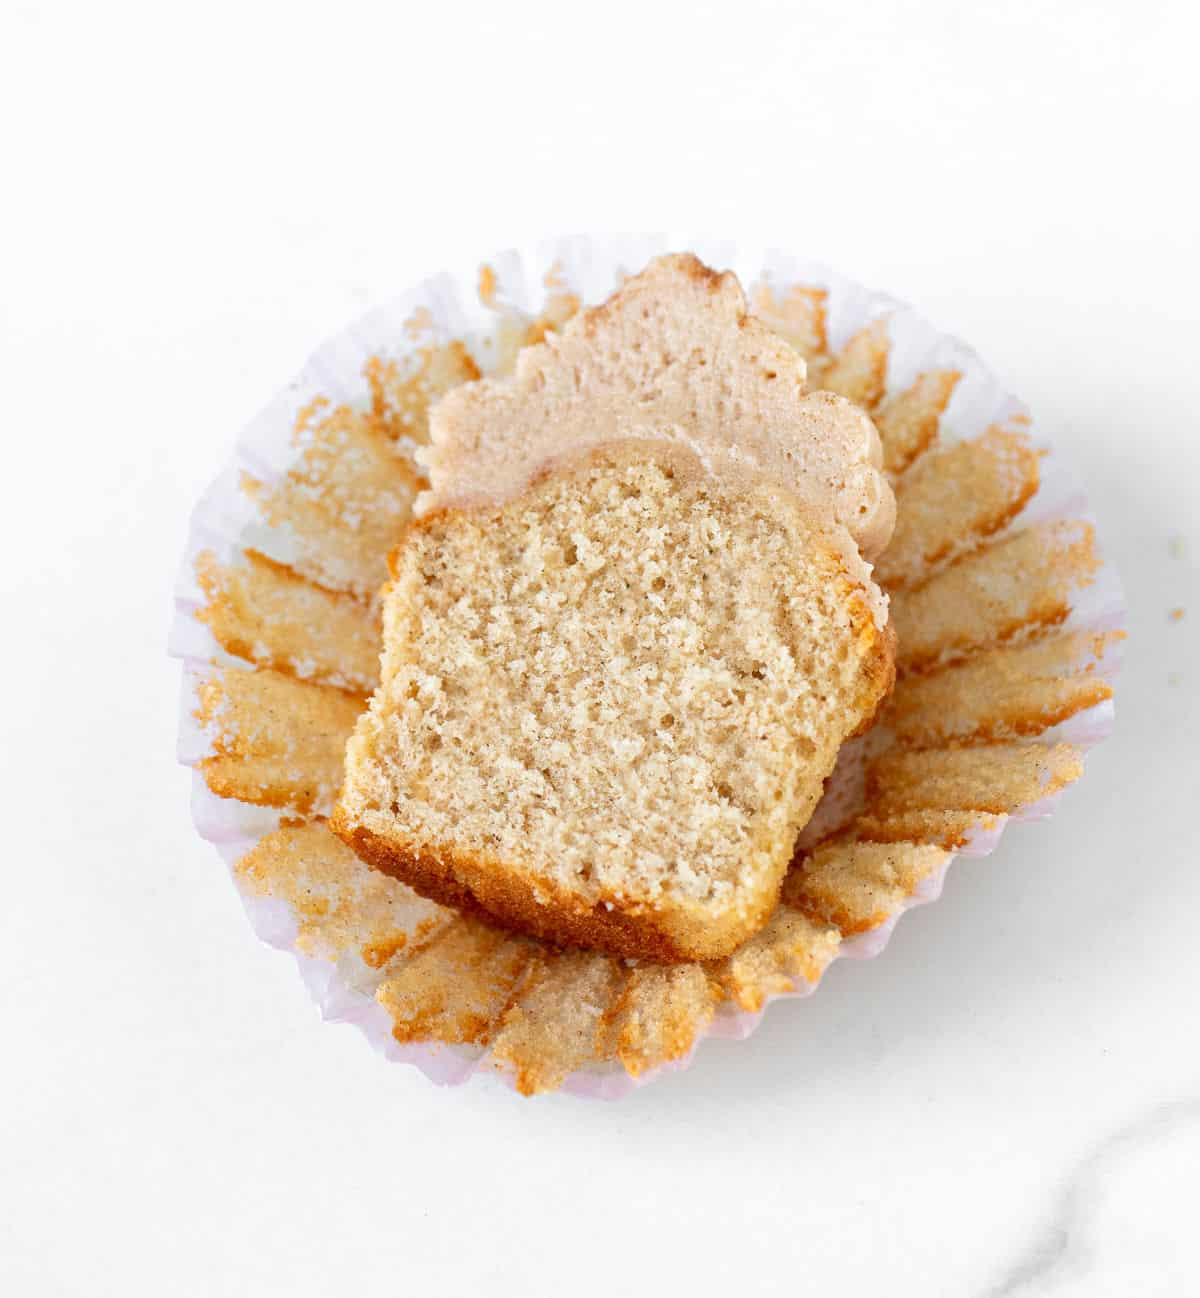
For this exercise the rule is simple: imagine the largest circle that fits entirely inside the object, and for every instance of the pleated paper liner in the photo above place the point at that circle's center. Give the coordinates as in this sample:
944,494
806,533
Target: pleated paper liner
1009,626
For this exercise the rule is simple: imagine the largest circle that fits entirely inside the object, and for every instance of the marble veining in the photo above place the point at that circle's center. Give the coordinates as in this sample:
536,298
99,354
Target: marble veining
1062,1245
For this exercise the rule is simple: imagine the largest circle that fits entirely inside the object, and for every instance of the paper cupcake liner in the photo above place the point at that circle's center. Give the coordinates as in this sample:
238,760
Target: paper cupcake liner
447,307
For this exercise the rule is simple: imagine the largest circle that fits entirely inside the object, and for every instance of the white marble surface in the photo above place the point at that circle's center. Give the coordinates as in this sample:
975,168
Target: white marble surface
1008,1101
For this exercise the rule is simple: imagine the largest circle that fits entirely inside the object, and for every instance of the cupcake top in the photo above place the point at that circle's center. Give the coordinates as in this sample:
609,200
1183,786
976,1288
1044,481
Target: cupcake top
672,354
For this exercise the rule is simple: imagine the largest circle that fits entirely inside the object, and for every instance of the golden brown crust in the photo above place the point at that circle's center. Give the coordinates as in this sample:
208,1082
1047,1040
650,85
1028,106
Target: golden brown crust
548,911
878,667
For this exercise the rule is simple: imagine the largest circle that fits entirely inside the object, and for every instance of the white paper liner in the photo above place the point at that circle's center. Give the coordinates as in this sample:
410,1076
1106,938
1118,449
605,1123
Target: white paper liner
447,306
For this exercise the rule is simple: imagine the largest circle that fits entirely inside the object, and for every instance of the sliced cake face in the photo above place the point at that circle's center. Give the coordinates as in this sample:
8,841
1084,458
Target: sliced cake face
608,705
672,354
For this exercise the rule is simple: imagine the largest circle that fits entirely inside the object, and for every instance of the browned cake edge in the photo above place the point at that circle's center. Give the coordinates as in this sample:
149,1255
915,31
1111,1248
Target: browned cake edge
878,667
472,883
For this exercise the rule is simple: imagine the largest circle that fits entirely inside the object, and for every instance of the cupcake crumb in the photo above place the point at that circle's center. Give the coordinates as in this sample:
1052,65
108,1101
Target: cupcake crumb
487,286
1176,614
